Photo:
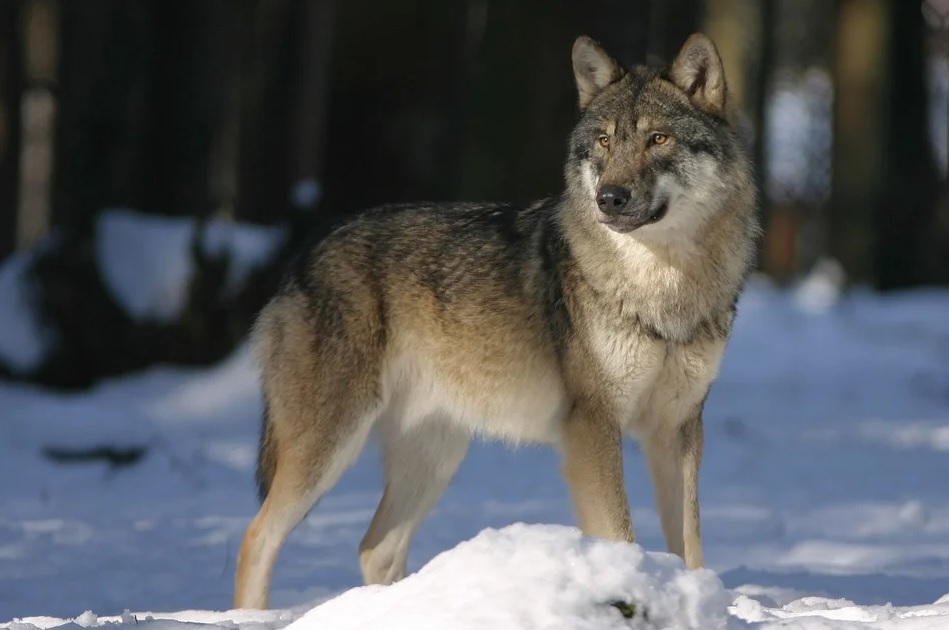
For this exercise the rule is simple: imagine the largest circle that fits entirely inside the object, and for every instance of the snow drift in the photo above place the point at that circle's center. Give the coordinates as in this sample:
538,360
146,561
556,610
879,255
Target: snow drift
540,576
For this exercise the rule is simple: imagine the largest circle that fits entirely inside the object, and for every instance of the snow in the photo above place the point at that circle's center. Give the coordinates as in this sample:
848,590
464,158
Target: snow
23,343
145,258
799,128
823,488
819,290
306,193
538,576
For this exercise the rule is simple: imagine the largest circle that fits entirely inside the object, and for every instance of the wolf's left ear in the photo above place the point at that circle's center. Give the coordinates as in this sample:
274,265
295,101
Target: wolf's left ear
593,68
699,72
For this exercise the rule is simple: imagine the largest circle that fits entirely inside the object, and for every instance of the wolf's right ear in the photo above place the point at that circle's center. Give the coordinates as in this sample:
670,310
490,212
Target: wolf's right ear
699,72
593,68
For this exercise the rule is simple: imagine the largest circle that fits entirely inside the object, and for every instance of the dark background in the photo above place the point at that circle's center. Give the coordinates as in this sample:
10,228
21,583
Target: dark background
221,108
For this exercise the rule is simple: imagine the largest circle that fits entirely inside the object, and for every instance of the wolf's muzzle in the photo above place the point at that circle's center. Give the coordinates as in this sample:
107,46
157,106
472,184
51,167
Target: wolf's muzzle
621,213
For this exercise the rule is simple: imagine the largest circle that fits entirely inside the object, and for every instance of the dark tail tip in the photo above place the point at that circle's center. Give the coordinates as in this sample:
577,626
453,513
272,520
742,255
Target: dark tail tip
266,456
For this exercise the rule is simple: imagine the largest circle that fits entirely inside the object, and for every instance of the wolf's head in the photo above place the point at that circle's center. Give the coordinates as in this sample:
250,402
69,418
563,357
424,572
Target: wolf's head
654,151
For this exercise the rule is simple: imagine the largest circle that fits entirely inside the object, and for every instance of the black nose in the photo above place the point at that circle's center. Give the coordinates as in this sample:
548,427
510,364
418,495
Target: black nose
612,199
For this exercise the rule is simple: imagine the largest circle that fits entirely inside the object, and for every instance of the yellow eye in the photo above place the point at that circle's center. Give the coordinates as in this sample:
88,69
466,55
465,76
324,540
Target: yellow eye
604,141
658,138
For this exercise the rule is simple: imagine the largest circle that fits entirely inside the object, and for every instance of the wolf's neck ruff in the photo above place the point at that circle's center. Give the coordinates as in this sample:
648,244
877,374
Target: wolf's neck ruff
675,286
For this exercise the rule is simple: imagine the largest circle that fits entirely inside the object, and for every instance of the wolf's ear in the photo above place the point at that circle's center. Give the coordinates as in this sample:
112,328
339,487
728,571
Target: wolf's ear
593,68
699,72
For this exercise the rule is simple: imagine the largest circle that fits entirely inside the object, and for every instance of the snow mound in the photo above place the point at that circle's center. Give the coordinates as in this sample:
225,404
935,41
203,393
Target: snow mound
536,576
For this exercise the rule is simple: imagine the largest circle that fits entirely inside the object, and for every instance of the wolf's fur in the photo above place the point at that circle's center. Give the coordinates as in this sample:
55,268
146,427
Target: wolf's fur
556,322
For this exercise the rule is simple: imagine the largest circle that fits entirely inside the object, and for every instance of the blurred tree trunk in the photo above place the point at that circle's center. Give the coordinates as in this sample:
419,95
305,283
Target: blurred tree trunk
859,161
883,206
234,33
737,27
102,99
672,21
468,100
284,115
40,41
778,254
312,54
142,88
187,72
398,97
521,115
622,26
744,32
905,250
11,90
524,98
764,67
261,122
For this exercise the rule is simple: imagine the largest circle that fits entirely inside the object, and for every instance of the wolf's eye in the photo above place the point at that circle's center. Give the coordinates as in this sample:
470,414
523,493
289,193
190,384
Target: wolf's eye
603,141
658,138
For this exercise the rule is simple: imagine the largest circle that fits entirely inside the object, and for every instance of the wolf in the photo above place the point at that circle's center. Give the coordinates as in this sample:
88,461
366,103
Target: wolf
572,321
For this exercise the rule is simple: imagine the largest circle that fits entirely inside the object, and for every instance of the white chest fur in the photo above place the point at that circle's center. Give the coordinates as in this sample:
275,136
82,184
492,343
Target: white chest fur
653,382
658,368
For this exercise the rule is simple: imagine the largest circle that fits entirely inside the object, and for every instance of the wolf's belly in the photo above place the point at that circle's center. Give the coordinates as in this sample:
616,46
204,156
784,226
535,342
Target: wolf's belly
524,403
516,391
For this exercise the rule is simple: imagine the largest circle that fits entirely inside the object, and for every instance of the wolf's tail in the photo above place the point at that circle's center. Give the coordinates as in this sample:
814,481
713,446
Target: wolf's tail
266,455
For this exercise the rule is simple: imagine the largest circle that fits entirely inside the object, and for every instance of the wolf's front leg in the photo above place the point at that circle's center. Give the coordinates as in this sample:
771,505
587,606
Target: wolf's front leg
592,450
674,455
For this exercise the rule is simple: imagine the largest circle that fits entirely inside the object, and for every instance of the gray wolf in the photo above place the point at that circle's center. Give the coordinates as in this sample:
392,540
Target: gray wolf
571,321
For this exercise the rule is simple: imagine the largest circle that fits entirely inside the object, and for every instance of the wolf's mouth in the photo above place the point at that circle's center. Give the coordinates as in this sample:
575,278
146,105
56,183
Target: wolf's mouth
658,213
627,222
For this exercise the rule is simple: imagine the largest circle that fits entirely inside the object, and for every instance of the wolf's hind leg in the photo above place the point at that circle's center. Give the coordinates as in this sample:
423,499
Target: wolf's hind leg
305,469
419,462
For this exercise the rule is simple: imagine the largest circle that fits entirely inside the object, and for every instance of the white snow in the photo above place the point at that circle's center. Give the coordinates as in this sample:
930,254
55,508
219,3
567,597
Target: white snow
146,262
23,343
800,136
824,492
146,265
306,193
535,576
820,289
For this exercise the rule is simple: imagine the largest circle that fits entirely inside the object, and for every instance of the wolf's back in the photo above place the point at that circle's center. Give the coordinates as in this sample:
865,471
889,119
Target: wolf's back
452,252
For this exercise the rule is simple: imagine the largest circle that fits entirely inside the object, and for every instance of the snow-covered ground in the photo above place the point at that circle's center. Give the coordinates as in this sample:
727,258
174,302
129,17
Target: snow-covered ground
825,496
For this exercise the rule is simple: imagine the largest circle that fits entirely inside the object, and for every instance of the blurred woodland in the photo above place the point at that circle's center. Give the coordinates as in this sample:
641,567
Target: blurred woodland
298,111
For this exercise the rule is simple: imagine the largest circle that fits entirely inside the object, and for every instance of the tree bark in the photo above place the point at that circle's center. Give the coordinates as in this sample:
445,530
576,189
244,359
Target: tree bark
524,101
860,71
11,91
310,103
906,248
102,100
187,70
672,23
286,97
234,32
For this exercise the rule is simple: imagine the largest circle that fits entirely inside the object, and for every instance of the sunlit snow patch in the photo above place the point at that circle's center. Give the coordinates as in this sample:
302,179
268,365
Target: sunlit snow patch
146,260
23,342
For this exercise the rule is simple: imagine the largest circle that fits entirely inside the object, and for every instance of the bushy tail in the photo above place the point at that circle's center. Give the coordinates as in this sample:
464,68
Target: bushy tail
266,456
